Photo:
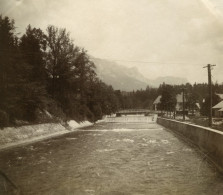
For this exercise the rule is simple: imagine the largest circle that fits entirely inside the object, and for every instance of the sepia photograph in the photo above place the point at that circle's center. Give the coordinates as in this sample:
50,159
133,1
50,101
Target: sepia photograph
111,97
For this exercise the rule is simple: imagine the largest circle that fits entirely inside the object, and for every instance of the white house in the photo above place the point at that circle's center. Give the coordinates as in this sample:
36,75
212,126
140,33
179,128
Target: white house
156,102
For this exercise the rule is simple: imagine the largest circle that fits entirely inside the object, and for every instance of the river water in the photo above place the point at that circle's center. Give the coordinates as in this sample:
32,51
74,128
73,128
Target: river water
110,159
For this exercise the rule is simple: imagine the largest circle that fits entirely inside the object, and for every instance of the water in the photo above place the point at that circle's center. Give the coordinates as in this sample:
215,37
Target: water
112,158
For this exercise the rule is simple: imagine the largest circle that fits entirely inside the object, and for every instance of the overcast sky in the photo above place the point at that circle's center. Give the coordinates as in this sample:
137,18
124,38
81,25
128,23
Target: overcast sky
176,37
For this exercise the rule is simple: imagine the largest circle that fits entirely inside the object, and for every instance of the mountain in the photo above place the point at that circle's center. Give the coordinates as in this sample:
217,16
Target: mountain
128,79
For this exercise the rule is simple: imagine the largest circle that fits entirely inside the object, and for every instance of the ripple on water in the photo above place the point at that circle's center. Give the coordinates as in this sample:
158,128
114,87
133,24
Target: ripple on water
128,140
105,150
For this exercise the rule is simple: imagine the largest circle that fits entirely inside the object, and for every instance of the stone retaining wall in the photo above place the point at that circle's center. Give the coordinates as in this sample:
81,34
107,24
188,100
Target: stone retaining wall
208,140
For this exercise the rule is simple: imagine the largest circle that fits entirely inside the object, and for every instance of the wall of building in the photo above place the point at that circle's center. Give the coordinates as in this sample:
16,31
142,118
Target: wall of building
208,140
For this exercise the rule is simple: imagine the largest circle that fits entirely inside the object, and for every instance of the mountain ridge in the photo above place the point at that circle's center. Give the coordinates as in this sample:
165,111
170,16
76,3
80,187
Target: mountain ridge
129,79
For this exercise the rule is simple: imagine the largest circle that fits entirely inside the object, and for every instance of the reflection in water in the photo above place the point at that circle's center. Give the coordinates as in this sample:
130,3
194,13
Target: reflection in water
112,158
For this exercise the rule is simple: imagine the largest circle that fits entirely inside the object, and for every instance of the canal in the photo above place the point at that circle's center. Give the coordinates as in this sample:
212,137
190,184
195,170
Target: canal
110,159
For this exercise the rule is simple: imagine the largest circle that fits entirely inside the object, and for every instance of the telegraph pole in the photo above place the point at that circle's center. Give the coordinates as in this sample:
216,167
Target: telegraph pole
183,105
210,92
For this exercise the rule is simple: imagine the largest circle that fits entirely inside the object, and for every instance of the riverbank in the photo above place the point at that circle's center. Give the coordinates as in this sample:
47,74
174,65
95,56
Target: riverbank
15,136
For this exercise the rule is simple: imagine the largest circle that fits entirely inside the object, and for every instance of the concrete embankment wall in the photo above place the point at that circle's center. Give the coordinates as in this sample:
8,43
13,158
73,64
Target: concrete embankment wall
208,140
12,136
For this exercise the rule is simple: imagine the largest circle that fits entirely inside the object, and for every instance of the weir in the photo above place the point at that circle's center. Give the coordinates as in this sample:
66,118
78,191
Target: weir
131,119
132,116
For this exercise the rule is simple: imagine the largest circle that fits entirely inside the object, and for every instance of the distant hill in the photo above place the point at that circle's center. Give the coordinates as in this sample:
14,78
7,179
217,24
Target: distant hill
128,79
169,80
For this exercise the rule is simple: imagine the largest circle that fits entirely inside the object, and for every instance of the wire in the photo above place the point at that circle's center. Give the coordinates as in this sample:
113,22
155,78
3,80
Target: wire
152,62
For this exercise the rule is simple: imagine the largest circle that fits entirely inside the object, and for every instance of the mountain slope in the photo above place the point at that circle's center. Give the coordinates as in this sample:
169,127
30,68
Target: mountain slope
128,79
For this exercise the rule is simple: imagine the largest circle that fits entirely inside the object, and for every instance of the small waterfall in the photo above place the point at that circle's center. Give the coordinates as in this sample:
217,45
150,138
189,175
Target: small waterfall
132,119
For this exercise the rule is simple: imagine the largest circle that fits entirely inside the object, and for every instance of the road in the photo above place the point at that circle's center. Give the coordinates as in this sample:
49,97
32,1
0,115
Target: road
110,159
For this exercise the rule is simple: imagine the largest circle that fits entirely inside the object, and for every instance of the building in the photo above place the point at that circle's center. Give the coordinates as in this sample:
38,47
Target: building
156,103
219,95
179,104
218,109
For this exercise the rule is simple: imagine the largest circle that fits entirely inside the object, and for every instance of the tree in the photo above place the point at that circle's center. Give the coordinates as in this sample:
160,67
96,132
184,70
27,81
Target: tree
8,61
70,72
192,99
206,104
84,73
33,47
61,53
168,99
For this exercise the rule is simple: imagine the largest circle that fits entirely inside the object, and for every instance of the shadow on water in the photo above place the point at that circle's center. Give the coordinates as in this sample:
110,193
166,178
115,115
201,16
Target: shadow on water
7,186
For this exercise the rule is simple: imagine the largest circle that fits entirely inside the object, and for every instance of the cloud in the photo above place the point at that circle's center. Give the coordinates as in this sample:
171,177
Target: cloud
186,31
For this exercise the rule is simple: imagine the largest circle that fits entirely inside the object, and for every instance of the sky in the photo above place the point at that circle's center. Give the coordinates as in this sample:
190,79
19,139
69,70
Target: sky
159,37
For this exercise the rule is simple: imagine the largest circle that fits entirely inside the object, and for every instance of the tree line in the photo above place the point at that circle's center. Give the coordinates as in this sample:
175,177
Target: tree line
196,93
44,76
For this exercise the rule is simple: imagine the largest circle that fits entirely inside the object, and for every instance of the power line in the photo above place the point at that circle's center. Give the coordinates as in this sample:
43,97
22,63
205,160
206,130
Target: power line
152,62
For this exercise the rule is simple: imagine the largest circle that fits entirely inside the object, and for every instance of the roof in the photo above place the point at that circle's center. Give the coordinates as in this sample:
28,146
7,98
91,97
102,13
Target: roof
179,98
221,109
219,105
220,95
198,105
157,100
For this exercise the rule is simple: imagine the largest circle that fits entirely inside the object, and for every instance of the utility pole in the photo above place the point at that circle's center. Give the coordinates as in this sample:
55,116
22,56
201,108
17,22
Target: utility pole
210,92
183,105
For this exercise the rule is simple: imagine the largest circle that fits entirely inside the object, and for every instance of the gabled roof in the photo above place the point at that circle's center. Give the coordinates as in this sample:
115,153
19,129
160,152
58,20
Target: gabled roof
157,100
221,110
198,105
179,98
220,95
219,105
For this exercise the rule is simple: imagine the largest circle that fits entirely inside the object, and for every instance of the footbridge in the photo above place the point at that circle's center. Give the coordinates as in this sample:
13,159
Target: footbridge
133,116
126,112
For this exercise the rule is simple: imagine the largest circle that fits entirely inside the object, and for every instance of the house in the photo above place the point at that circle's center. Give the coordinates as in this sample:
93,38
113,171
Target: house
218,109
219,95
179,104
156,103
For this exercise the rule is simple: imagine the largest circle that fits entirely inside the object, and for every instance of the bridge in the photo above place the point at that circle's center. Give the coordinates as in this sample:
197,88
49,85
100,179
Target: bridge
133,116
144,112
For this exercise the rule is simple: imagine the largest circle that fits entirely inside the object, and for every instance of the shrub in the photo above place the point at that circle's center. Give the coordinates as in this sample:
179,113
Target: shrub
4,119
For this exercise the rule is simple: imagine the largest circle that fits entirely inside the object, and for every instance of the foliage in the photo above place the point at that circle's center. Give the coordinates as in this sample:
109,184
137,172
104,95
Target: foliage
206,104
168,99
4,119
46,77
46,73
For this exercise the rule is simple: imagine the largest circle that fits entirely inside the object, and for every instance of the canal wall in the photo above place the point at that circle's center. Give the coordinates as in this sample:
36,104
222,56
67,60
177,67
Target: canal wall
208,140
15,136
